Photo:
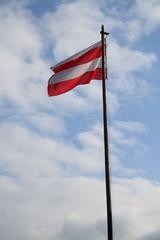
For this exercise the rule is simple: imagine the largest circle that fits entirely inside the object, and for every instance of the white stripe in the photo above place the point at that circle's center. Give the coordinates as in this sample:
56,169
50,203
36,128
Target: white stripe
97,44
76,71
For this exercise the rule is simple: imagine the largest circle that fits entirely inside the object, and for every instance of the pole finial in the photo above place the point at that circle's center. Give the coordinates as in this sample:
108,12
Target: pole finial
102,31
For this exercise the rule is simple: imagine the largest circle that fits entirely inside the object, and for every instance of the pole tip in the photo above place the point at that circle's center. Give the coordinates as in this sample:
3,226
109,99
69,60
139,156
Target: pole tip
102,30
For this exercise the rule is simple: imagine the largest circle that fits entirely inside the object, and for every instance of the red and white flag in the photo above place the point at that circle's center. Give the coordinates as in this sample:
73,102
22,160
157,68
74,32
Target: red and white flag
79,69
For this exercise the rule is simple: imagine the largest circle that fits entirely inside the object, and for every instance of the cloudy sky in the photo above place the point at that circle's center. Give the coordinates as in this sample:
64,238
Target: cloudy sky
51,161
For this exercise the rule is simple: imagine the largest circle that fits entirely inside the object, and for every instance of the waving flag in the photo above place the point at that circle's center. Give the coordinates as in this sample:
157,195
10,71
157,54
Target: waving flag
79,69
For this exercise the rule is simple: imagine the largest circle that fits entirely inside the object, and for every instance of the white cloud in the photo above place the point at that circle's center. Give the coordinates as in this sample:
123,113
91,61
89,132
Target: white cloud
137,201
38,153
24,79
125,132
24,73
142,19
46,124
149,12
25,153
123,65
76,15
42,189
130,126
22,68
74,207
41,212
123,60
126,146
92,138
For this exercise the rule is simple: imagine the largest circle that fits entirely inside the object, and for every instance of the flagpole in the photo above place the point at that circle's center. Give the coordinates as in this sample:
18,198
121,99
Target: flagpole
106,144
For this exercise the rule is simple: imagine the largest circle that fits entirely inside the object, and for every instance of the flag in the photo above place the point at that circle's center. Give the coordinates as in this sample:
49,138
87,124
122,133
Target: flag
79,69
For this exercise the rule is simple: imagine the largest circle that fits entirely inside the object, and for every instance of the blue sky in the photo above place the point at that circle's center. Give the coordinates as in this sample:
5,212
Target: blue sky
52,163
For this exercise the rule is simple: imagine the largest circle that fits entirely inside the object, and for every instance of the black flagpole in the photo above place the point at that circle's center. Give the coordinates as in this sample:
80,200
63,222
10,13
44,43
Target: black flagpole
106,147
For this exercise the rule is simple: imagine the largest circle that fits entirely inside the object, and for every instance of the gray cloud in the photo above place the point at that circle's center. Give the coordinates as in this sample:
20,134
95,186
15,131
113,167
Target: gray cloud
155,235
77,229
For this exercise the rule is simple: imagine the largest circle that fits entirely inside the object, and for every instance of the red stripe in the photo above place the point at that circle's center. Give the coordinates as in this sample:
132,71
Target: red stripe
62,87
85,58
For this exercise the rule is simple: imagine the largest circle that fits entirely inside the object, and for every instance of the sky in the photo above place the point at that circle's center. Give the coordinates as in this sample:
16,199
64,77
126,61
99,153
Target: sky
52,161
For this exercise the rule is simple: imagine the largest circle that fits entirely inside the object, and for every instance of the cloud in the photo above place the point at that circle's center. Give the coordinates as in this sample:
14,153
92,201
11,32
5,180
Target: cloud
24,79
133,20
124,66
25,70
51,171
75,206
126,146
46,124
136,198
142,19
76,15
155,235
22,68
149,13
78,229
123,60
35,164
130,126
26,151
30,197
